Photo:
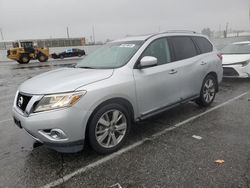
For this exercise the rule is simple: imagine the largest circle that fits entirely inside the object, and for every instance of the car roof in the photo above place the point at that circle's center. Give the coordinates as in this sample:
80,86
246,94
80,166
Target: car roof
134,38
242,42
166,33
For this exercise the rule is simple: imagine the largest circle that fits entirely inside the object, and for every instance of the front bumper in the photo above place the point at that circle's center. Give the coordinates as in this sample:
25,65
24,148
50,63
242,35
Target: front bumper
236,71
72,121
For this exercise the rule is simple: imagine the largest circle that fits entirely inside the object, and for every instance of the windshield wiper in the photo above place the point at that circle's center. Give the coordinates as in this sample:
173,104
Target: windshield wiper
85,67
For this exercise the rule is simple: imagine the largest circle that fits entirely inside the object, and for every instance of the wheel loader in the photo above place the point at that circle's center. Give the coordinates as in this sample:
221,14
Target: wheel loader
24,51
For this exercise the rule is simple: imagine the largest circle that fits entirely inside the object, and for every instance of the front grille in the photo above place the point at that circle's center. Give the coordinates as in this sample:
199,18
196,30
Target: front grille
22,101
228,71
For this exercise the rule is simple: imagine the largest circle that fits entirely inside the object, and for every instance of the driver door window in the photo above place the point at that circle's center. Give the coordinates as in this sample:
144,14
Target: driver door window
160,50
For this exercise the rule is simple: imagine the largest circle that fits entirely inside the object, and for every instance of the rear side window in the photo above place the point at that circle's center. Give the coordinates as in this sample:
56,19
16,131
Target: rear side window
204,45
183,47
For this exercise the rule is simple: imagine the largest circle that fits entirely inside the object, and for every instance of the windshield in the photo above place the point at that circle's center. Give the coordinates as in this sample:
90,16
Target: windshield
111,55
236,49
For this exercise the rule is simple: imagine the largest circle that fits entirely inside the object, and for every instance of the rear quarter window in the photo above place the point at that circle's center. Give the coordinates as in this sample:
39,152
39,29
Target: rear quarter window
203,44
183,47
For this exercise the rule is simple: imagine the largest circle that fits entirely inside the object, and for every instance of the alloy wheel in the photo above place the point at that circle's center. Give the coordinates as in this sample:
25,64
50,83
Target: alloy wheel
111,128
209,90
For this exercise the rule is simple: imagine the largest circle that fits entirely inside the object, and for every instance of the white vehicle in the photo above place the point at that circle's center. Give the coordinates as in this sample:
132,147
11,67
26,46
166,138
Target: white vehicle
236,60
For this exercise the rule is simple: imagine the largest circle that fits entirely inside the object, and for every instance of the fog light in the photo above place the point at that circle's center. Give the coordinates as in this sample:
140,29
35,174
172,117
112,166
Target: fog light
54,134
57,134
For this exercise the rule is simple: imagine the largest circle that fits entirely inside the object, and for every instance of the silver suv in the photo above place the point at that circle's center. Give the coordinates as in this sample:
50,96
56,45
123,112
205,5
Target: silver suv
124,81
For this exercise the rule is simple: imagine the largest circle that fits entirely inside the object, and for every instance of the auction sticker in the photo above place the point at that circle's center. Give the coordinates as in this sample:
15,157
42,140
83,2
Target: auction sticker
127,45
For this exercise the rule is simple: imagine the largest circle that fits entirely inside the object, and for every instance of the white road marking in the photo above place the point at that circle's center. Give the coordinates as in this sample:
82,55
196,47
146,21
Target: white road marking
128,148
7,97
5,102
197,137
5,120
117,185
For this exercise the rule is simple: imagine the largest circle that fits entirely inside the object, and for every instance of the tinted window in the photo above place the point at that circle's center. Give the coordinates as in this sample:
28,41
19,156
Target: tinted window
159,49
204,45
68,51
183,47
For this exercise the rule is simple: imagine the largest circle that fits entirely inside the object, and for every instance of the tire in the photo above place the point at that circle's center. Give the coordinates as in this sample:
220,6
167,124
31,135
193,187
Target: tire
61,57
24,59
42,58
54,56
208,91
108,128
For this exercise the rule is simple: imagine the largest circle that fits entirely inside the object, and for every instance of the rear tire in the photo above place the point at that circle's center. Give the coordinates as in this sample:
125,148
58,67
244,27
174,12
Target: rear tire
42,58
208,91
24,59
108,128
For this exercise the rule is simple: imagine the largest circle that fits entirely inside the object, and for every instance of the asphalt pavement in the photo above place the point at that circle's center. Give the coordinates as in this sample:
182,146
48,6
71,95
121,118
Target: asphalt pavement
160,152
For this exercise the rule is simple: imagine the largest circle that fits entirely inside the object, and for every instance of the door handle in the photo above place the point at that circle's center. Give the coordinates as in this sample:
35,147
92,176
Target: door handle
172,71
203,63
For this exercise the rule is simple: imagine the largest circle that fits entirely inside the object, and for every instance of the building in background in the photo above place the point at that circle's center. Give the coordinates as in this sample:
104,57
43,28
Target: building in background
49,43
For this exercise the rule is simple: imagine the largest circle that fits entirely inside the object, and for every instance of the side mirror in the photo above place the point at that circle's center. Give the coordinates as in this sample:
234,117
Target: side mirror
148,61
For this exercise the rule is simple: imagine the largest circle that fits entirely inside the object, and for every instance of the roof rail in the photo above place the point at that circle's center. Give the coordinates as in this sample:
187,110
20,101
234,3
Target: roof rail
178,31
172,31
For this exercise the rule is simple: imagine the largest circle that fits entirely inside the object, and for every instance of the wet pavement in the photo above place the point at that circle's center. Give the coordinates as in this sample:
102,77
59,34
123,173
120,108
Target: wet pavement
173,159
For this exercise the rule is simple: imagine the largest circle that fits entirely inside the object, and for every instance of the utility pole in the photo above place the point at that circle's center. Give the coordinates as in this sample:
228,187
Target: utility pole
1,31
249,14
91,40
219,30
68,32
93,32
225,31
227,28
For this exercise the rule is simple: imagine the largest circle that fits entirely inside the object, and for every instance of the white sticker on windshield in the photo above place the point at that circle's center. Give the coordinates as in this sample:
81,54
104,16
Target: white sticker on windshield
127,45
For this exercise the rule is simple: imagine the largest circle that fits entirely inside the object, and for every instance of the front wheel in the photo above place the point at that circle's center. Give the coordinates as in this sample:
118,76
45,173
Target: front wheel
208,91
24,59
109,128
42,58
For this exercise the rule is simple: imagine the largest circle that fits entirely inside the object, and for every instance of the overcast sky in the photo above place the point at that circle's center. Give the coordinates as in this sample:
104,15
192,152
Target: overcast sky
30,19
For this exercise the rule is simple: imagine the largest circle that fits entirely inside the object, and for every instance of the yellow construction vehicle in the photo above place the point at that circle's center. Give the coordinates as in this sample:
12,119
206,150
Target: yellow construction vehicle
24,51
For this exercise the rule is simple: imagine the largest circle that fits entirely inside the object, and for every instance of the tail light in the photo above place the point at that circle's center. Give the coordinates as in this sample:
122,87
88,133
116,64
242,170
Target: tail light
220,56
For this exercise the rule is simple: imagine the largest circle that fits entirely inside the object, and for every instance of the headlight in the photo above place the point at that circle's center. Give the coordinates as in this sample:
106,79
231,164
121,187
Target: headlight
50,102
245,63
242,63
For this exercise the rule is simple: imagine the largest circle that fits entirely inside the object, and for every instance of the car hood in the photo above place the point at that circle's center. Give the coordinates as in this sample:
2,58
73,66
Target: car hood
63,80
234,58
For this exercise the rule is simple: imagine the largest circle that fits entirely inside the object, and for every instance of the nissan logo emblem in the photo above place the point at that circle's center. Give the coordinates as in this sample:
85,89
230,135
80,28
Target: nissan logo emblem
20,101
